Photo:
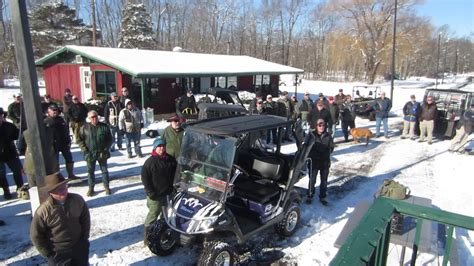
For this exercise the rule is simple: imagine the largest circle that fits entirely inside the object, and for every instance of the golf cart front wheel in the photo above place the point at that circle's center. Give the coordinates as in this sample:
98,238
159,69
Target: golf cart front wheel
288,225
217,253
161,238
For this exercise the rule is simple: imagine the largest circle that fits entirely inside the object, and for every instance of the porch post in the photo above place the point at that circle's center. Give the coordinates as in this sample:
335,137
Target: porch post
142,86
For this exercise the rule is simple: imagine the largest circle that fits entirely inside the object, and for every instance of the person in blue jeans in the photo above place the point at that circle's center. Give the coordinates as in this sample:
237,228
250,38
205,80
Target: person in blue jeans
131,123
382,107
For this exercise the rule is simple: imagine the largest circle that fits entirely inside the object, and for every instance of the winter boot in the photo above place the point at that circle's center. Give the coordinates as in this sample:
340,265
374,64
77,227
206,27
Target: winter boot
324,201
107,190
90,192
70,173
145,236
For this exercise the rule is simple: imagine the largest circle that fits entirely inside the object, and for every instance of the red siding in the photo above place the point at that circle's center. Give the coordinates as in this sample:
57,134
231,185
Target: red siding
245,83
59,77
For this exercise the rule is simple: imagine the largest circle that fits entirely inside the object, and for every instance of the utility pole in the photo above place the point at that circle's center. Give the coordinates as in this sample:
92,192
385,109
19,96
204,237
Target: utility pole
437,60
29,84
445,62
393,51
94,27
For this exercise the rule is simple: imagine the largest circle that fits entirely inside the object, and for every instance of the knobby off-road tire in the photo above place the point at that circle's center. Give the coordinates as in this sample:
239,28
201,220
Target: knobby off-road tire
217,253
289,224
160,238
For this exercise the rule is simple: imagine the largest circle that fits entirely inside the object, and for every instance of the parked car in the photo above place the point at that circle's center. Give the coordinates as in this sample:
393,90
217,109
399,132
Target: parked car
230,187
363,98
212,98
451,103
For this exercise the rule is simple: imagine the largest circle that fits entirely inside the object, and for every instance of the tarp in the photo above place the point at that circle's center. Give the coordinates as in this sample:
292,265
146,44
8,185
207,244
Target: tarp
152,63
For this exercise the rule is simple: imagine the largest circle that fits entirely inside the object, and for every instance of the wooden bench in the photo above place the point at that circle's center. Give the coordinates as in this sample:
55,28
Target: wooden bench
405,239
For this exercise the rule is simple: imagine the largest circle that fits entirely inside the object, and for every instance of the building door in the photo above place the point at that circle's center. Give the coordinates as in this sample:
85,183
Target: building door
86,86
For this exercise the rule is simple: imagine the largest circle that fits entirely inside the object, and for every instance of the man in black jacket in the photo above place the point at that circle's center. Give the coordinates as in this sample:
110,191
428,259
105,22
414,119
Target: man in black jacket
157,178
61,138
321,162
320,112
9,156
348,116
16,113
77,115
429,112
187,103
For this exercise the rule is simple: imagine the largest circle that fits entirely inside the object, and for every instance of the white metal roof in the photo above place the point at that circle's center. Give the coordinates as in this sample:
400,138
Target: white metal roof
147,63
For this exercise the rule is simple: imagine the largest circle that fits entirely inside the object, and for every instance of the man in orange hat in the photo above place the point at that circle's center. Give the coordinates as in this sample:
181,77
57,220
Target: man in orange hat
61,224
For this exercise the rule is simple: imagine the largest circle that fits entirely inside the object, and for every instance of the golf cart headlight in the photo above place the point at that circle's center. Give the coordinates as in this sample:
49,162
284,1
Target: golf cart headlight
205,224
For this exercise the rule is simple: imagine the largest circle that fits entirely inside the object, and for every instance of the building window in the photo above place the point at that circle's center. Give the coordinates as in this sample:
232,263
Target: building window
105,83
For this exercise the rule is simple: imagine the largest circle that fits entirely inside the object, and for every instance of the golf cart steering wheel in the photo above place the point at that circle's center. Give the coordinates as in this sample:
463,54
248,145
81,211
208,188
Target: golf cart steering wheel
240,169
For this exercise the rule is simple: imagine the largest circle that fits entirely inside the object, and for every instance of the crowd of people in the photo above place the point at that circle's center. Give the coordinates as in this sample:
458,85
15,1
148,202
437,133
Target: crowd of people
65,241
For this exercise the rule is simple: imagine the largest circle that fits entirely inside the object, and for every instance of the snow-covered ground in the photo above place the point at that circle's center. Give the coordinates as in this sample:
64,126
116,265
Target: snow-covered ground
356,173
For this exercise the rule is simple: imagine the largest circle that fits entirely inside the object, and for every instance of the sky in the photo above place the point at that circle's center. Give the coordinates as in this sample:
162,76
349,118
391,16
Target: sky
458,14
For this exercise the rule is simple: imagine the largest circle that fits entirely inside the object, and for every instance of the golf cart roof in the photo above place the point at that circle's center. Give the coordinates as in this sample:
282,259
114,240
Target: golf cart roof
366,86
221,107
239,124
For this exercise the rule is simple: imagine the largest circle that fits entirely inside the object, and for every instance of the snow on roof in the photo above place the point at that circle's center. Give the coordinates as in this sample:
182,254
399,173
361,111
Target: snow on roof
147,63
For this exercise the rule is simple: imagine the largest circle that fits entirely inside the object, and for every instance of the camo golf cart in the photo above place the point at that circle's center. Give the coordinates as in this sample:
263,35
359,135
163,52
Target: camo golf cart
363,98
229,187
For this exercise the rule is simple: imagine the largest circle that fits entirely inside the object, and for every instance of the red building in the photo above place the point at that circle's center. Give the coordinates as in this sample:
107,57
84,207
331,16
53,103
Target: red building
154,78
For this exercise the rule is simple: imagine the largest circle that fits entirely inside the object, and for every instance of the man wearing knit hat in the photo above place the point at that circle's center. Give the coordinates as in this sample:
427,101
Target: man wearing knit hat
157,178
61,224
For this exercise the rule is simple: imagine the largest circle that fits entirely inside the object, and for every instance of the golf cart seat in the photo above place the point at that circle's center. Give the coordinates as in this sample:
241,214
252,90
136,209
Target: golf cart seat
255,191
261,187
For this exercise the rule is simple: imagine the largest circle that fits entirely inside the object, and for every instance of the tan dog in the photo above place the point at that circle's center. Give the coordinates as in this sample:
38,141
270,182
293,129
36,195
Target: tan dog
358,133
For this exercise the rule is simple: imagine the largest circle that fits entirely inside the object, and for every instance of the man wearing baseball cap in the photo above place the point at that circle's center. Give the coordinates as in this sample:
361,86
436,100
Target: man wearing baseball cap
173,135
61,138
157,177
320,155
61,225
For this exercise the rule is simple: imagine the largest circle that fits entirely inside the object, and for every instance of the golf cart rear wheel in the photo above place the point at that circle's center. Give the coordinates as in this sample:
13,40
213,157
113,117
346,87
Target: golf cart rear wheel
161,239
217,253
288,225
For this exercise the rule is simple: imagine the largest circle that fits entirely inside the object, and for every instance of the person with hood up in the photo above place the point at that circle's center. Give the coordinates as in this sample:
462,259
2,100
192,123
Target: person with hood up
157,176
131,123
61,225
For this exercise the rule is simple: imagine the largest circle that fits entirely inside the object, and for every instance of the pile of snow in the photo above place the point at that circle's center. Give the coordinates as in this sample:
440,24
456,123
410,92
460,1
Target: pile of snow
356,172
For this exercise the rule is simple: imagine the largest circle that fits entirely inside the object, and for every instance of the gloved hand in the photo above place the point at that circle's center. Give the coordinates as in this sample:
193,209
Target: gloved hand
141,125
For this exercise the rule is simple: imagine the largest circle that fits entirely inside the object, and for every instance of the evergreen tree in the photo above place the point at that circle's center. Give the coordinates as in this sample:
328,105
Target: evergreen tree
136,31
55,24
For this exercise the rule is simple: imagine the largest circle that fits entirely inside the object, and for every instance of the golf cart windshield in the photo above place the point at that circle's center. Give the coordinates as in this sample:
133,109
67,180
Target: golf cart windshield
205,164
